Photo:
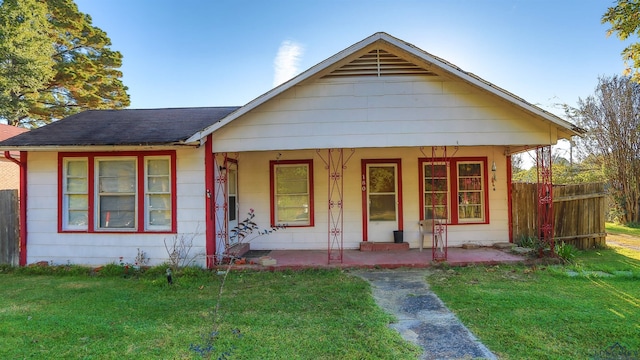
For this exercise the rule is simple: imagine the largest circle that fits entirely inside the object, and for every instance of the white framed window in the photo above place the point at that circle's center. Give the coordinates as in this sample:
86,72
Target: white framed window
292,193
107,192
471,190
116,187
157,193
75,194
455,190
436,191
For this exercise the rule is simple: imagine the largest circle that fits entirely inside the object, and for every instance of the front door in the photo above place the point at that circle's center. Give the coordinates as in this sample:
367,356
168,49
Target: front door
232,203
382,201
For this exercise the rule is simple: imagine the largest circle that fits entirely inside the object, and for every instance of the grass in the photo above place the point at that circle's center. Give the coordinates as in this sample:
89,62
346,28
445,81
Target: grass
263,315
618,229
549,312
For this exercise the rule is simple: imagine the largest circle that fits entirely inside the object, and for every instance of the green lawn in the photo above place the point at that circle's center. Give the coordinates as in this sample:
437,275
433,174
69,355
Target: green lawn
549,312
519,312
263,315
622,229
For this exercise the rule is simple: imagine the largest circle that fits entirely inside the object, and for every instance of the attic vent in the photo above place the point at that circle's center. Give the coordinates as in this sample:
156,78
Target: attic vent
379,63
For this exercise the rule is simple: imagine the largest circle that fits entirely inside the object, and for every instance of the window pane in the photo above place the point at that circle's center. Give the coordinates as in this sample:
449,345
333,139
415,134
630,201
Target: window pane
232,181
158,184
435,184
382,207
470,183
76,185
117,176
470,212
78,202
470,191
440,199
439,211
77,168
233,209
382,179
117,211
158,167
160,202
292,179
160,217
469,170
435,171
78,218
293,208
436,191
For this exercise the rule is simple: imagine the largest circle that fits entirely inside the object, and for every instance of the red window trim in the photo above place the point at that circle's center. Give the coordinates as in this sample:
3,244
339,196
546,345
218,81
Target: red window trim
453,185
308,162
140,155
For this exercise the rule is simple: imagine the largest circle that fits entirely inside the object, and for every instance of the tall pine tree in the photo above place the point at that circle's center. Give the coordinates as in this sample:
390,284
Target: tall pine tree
85,71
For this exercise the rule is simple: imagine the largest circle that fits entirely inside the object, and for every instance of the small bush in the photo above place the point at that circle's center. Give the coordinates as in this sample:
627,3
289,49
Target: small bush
566,252
530,242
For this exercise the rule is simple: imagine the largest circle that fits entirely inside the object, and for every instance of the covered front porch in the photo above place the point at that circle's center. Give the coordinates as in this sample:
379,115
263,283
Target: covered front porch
414,258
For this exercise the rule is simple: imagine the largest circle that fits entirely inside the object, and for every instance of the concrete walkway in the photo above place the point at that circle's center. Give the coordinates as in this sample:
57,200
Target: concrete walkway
422,317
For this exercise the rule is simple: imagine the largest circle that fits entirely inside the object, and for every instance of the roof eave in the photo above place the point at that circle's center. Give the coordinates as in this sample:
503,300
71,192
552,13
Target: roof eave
110,147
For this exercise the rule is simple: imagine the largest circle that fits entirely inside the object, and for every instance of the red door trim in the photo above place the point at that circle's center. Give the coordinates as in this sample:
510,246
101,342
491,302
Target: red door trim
364,163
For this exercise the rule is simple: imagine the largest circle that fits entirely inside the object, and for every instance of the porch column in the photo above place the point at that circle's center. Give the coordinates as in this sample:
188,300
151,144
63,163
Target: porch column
221,205
545,196
335,163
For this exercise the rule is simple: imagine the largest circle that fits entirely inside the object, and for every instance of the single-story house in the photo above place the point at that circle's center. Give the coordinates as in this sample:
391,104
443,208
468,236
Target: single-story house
366,143
9,170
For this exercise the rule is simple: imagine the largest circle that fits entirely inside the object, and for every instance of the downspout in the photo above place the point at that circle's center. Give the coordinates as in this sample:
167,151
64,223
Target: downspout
22,163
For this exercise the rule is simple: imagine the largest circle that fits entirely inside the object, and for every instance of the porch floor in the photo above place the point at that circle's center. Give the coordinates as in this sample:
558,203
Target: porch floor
414,258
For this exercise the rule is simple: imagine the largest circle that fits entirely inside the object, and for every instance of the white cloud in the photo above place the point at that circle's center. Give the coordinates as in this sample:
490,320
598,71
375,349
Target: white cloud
285,65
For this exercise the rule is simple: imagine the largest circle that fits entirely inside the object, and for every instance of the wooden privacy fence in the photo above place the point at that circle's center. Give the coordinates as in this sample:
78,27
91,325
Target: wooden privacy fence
9,227
578,212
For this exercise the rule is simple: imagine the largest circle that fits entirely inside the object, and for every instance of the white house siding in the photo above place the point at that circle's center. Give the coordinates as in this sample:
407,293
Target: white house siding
46,244
357,112
254,193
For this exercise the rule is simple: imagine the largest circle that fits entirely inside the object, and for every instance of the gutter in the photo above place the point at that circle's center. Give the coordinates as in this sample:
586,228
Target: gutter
7,155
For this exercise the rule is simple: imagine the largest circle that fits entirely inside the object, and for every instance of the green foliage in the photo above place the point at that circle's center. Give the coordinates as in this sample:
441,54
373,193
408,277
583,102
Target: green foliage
566,252
26,55
530,242
67,61
611,118
624,19
564,173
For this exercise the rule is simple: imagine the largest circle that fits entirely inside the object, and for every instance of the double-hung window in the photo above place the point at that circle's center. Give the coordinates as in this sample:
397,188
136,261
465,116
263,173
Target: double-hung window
292,193
455,190
130,192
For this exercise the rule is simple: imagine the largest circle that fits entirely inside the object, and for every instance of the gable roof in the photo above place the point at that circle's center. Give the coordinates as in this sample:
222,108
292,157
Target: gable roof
375,56
122,127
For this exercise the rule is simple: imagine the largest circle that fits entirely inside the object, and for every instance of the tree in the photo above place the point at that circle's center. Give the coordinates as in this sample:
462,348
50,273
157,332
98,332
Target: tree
26,55
624,19
86,71
612,118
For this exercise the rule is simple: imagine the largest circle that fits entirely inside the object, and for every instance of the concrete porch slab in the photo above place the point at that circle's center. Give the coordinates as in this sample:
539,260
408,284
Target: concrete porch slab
413,258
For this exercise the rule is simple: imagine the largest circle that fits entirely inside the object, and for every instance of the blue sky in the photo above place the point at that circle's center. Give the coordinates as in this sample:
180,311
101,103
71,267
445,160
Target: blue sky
226,52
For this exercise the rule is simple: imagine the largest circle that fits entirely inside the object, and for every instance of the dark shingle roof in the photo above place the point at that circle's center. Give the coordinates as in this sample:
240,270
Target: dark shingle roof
122,127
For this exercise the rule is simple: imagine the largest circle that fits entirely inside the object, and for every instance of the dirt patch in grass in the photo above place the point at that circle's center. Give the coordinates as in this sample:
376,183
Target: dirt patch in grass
623,240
